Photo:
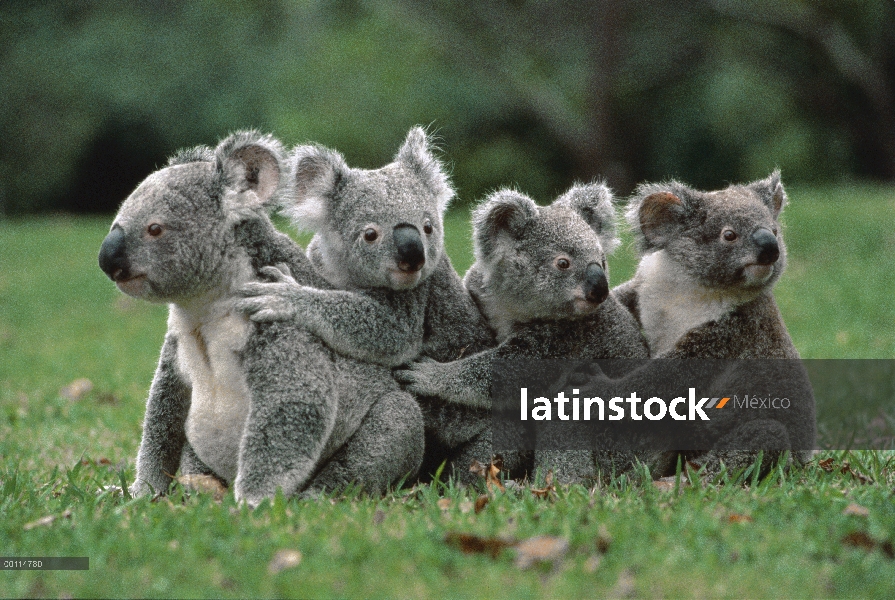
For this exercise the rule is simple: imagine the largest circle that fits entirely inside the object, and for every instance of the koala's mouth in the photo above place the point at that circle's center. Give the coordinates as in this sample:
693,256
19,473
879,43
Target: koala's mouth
580,306
132,286
404,279
756,273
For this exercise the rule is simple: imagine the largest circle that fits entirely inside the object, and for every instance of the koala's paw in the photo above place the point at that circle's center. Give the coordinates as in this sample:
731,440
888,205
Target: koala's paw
140,488
273,300
422,377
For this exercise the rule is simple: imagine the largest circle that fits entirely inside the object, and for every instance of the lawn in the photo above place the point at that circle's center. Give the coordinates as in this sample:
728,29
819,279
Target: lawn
826,530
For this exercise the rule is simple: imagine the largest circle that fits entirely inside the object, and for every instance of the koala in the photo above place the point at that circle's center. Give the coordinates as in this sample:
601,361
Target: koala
703,290
540,278
393,294
259,406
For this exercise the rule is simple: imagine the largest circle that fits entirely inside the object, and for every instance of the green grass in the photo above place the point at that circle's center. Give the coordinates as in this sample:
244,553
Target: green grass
61,319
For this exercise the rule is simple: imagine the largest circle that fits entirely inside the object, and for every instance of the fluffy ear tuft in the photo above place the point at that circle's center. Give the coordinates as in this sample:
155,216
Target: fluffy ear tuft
188,155
771,192
656,211
594,203
252,170
503,214
417,154
316,173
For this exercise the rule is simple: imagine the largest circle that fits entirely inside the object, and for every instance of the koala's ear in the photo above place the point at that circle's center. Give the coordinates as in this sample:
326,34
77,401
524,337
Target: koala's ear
316,174
656,213
416,154
594,203
504,214
771,192
252,169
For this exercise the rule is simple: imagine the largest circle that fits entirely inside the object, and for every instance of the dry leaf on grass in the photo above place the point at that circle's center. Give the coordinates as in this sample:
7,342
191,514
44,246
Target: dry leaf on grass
206,484
829,466
47,520
444,504
77,389
863,540
543,548
856,510
667,484
549,490
737,518
474,544
480,503
282,560
490,472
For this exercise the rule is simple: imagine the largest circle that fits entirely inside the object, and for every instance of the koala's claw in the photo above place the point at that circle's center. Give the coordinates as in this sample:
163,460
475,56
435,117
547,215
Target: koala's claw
278,274
418,377
265,309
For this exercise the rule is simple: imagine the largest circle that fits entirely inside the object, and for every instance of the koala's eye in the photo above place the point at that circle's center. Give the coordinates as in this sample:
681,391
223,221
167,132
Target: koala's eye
154,230
775,231
370,234
729,235
427,226
562,263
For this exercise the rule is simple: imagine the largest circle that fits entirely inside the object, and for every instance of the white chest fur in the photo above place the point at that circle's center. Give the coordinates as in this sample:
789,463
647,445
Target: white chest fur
210,339
672,302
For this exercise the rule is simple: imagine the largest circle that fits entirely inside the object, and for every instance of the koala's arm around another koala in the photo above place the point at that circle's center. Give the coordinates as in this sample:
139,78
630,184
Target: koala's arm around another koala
376,326
454,325
164,433
466,381
626,294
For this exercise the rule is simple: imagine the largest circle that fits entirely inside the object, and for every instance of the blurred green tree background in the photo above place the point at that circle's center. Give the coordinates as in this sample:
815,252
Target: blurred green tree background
535,94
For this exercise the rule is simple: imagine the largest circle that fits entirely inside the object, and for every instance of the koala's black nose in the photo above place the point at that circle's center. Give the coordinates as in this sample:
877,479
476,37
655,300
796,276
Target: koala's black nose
410,254
112,257
596,286
768,248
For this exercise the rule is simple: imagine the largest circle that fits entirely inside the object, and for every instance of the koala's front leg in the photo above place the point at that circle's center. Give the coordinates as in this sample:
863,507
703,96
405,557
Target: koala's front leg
164,433
292,414
385,330
466,381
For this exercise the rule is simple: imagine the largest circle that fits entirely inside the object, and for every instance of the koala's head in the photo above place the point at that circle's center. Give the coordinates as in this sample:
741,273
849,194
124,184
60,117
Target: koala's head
729,238
379,228
175,236
546,262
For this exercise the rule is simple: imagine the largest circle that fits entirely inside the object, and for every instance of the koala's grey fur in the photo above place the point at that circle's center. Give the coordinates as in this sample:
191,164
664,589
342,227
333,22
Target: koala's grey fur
384,310
260,406
541,308
698,295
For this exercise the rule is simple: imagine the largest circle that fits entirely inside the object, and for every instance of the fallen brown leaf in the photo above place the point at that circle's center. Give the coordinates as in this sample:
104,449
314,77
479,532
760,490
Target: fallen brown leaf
856,510
846,469
863,540
480,503
543,548
77,389
206,484
737,518
490,472
826,464
282,560
548,490
473,544
47,520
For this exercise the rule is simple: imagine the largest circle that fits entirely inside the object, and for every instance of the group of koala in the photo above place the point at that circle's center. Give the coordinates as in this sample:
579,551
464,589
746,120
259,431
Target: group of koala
367,359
